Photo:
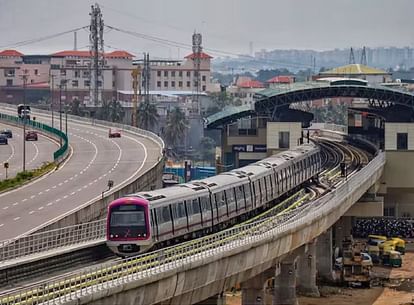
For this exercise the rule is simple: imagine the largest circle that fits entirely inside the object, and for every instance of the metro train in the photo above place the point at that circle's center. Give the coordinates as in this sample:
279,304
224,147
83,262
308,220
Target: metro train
138,222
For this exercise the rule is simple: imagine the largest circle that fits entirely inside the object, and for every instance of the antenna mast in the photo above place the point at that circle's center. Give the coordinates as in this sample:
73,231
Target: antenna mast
96,50
197,50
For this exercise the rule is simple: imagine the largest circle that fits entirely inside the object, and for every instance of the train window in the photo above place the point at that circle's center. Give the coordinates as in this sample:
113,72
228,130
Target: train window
239,193
196,206
229,196
131,218
180,210
166,216
219,199
205,204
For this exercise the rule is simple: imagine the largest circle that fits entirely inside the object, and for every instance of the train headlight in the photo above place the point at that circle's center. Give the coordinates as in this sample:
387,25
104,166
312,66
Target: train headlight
144,235
116,235
139,235
111,236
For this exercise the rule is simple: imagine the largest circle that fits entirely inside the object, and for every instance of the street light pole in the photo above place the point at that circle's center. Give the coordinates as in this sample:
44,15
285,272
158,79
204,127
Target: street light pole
51,98
24,119
60,111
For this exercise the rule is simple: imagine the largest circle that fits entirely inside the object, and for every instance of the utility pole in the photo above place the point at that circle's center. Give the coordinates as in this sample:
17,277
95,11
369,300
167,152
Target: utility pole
146,74
351,57
135,81
364,57
97,54
197,50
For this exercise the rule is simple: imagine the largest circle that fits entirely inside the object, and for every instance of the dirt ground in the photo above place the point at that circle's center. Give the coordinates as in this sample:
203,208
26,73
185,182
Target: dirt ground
395,286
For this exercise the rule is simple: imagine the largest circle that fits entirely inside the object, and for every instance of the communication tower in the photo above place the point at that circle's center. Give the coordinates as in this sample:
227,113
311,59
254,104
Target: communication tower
96,49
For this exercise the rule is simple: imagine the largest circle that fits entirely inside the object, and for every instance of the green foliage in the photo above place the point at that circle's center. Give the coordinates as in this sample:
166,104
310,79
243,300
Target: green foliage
207,149
23,177
265,75
220,101
175,126
111,111
75,108
337,114
147,115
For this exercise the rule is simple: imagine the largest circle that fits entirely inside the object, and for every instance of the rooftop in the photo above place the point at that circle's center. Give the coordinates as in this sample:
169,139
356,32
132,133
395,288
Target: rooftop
281,79
73,53
11,53
202,56
354,69
251,84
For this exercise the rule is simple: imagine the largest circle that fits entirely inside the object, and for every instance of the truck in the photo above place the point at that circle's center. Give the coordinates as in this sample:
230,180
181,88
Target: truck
23,111
356,264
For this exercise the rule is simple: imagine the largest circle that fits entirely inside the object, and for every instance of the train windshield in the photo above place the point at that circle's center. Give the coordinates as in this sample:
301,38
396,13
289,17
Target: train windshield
127,218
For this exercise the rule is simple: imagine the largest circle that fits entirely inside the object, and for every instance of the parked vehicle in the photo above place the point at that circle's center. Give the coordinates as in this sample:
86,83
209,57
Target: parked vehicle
3,139
31,136
356,264
391,258
400,246
7,132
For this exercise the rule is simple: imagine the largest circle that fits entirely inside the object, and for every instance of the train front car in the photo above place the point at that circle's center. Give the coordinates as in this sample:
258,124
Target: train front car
128,226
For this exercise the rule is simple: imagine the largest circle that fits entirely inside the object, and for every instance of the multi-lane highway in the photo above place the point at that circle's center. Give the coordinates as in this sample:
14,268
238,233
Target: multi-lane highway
37,152
95,158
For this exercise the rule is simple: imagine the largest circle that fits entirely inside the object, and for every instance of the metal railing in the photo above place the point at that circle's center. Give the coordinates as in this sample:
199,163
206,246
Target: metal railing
94,231
98,278
59,154
50,240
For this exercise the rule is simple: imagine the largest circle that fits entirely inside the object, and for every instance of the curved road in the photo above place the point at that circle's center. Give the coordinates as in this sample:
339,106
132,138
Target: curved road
37,152
95,159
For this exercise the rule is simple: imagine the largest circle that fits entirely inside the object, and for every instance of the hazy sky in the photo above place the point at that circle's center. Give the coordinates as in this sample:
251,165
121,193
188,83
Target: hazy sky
226,25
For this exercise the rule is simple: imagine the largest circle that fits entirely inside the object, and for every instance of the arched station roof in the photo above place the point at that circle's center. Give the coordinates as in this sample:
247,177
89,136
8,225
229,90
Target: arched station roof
268,100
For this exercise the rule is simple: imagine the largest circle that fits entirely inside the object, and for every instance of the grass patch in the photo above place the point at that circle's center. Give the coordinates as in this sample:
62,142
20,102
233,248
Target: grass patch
23,177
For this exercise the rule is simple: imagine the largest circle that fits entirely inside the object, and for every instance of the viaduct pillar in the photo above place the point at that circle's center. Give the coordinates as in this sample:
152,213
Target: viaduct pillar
307,271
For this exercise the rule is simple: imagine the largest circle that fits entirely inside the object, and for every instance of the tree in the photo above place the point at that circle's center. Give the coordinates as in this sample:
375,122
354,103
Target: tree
75,107
103,111
207,146
175,126
116,112
147,115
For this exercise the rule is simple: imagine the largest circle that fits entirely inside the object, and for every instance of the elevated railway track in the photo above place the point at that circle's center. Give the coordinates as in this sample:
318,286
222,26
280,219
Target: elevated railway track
286,210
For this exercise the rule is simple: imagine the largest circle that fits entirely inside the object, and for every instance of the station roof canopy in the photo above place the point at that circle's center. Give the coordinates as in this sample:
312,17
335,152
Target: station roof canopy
229,114
354,69
267,100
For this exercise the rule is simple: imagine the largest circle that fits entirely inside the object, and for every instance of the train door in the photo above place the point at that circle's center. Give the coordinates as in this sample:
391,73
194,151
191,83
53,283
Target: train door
154,226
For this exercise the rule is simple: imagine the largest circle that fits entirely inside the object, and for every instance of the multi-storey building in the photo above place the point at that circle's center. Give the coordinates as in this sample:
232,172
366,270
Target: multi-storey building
70,72
176,75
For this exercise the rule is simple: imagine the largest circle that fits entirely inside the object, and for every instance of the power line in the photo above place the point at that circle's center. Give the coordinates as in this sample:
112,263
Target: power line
211,50
35,40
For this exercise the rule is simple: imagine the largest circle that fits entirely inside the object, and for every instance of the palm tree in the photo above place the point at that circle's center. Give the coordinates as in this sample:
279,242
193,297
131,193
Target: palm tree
116,111
175,126
147,115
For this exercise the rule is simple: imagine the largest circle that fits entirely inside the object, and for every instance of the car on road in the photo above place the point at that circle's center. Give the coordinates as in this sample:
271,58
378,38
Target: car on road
31,136
114,133
3,139
7,132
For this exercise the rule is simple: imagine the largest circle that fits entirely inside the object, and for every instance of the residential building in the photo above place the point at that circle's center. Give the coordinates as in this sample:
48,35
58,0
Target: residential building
244,89
70,71
177,75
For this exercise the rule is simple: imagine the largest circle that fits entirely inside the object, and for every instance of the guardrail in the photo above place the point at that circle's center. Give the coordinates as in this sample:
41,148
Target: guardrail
100,278
80,234
59,154
50,240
